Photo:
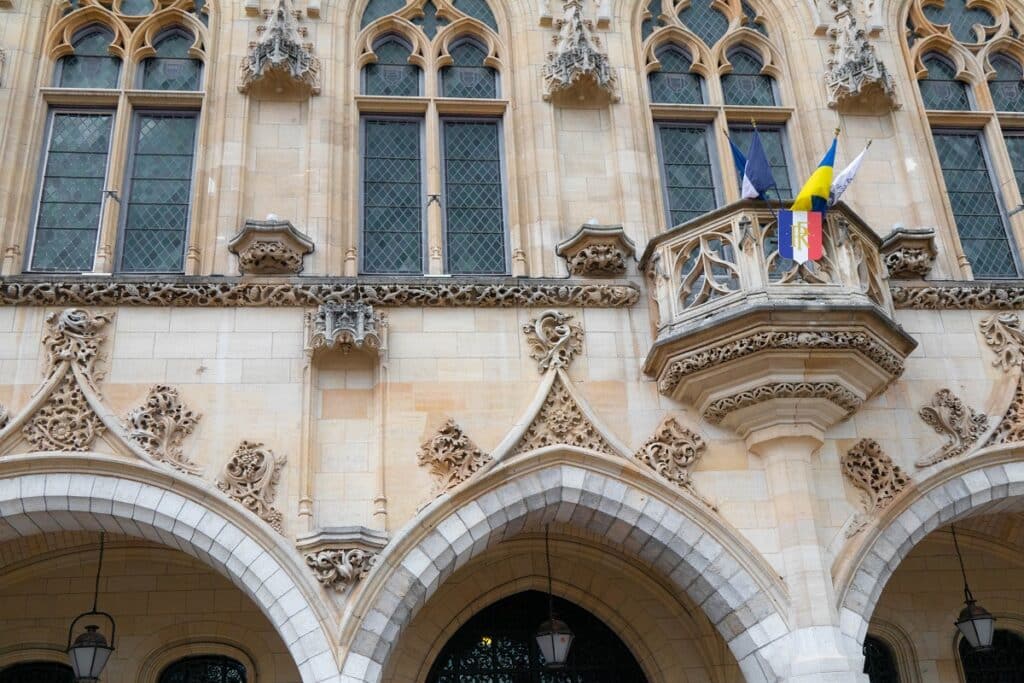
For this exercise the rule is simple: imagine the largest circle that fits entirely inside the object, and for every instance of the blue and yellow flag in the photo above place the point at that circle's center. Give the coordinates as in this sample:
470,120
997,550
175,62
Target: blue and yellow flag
814,194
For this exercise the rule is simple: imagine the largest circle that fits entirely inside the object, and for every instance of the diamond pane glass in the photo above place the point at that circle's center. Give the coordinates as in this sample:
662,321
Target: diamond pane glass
92,65
136,7
72,192
392,197
673,83
375,9
430,22
940,89
775,148
686,169
478,9
204,669
172,69
707,22
156,213
474,211
468,77
751,20
745,85
961,20
392,74
879,662
972,195
1015,146
651,22
1007,87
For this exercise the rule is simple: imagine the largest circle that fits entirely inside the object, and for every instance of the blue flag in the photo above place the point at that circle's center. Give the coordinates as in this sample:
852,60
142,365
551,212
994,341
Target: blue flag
757,172
737,157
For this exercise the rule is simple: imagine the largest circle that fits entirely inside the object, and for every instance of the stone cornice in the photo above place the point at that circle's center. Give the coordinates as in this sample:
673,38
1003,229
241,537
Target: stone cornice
235,292
953,294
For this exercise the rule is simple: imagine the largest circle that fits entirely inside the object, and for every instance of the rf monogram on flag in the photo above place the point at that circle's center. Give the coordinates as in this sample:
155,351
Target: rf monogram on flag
800,235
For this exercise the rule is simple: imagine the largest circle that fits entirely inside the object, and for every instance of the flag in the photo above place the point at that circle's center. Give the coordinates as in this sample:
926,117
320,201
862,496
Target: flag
800,235
757,172
737,156
814,194
846,176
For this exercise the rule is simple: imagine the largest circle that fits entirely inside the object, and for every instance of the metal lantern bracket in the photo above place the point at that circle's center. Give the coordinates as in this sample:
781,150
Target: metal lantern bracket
93,612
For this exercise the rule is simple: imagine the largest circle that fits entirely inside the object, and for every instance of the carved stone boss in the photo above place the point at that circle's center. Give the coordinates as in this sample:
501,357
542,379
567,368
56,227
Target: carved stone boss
961,425
451,456
270,247
597,251
553,340
279,56
873,472
855,74
160,424
345,326
340,568
577,60
251,477
909,254
672,451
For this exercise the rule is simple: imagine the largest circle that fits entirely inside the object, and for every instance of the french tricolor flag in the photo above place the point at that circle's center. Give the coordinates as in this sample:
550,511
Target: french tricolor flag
800,235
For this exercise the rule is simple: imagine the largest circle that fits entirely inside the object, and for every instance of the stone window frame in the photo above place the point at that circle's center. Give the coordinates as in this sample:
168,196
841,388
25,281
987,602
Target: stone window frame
900,645
156,662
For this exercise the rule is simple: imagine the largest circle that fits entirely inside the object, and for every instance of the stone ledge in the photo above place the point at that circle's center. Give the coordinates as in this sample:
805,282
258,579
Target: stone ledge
955,294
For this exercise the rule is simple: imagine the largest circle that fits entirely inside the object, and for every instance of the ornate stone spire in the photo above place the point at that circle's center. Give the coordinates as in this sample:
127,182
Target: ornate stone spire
856,77
280,57
577,63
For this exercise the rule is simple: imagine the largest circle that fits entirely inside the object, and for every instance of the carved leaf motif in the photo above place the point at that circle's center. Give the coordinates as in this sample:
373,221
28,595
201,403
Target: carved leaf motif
553,340
66,422
598,259
873,472
1011,428
266,257
251,477
672,451
1004,334
74,337
961,425
561,421
341,568
160,425
451,456
831,391
960,297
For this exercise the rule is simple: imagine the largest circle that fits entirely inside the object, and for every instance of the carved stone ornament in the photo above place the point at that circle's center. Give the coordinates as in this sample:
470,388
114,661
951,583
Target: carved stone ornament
451,456
251,477
340,568
672,451
159,426
597,251
831,391
345,326
279,57
577,65
561,421
959,296
553,340
1003,332
270,247
5,417
240,292
961,425
1011,427
855,76
909,254
873,472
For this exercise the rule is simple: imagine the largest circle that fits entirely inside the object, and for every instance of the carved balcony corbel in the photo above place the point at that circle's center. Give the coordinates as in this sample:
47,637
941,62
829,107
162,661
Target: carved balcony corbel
270,247
856,79
577,67
341,556
280,59
909,254
597,251
347,325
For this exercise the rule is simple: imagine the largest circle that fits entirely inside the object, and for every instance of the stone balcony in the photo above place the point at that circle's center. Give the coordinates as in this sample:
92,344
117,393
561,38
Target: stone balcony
754,341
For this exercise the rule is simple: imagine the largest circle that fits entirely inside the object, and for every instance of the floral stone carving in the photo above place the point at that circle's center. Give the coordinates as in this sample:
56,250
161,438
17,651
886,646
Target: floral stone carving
561,421
347,325
159,426
340,568
959,296
835,393
1004,334
962,426
553,340
672,451
597,251
577,63
251,477
873,472
279,57
855,75
909,254
451,456
270,247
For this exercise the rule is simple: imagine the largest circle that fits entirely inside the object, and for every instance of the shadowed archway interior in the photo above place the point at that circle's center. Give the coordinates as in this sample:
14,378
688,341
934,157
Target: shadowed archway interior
498,644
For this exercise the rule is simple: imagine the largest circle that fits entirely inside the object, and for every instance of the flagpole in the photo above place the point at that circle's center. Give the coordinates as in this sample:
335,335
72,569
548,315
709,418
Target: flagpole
767,201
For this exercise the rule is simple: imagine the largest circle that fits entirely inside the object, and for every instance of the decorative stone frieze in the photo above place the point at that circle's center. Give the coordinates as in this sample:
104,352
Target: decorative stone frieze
959,296
842,398
909,254
856,79
341,556
1003,333
270,247
597,251
553,340
159,426
873,472
347,325
451,456
251,477
562,421
672,451
961,425
280,58
577,66
239,292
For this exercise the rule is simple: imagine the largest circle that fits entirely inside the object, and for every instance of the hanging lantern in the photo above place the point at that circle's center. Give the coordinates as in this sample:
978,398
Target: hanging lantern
976,623
89,652
554,637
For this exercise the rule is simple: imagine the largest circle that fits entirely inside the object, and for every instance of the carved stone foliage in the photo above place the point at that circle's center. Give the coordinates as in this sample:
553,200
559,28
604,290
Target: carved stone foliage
831,391
160,424
672,451
341,568
270,247
280,57
74,337
577,63
451,456
873,472
553,340
961,425
959,296
228,292
345,326
909,254
597,251
66,422
1011,427
1004,334
251,477
855,75
561,421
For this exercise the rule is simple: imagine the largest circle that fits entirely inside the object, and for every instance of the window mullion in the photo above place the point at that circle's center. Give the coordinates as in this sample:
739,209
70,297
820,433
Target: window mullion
107,244
434,182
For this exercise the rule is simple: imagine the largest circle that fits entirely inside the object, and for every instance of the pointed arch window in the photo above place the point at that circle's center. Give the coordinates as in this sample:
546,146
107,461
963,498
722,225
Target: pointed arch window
705,20
940,89
172,68
745,85
1007,86
674,82
1004,663
392,74
92,65
879,661
467,76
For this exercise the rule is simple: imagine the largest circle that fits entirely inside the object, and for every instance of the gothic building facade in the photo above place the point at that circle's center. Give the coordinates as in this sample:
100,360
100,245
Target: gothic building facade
347,341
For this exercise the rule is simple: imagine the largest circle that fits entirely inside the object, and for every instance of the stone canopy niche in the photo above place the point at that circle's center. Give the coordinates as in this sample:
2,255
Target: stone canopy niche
755,341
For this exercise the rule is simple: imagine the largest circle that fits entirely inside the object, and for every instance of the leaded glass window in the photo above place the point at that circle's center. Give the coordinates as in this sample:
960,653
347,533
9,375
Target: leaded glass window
651,22
204,669
37,672
774,143
940,89
137,7
375,9
474,206
707,22
686,171
751,20
1004,663
392,196
1015,146
478,9
961,20
71,192
429,21
745,84
92,65
172,68
159,193
972,195
879,662
674,83
467,76
1007,87
391,74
